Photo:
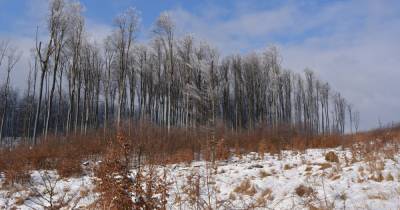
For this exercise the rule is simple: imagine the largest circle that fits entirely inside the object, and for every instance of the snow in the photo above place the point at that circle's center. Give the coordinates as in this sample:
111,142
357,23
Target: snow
37,192
339,184
273,181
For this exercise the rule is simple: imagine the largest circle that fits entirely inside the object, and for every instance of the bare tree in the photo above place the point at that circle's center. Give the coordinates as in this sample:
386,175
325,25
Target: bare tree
171,81
164,30
356,120
3,49
124,35
12,57
350,109
109,54
58,23
44,55
74,44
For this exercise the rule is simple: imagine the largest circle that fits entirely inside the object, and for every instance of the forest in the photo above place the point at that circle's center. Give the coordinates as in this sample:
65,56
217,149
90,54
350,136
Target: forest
162,119
76,84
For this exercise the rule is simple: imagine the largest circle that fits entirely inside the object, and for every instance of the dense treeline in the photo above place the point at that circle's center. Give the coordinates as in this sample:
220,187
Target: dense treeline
76,84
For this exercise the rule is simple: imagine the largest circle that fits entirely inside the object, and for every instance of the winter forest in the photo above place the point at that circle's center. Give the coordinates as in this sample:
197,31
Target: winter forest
163,119
75,84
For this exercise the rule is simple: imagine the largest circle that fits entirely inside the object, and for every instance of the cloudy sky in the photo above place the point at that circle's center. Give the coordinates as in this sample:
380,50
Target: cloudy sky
354,44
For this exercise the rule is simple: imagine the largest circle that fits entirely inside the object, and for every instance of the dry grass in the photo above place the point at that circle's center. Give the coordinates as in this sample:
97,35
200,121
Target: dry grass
182,155
335,177
389,177
66,153
262,148
331,157
308,168
264,173
324,166
245,188
378,196
304,191
19,201
149,145
63,154
287,167
377,177
263,199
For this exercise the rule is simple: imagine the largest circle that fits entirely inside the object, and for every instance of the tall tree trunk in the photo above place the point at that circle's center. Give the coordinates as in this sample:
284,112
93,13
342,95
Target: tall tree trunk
35,127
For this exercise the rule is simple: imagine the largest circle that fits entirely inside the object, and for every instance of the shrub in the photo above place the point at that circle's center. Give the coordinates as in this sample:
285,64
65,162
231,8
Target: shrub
222,151
389,177
245,188
331,157
264,174
304,191
378,177
324,166
191,189
15,167
68,167
121,189
261,149
182,155
287,167
16,175
114,184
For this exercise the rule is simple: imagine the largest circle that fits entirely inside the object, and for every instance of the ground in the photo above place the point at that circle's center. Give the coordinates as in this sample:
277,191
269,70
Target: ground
288,180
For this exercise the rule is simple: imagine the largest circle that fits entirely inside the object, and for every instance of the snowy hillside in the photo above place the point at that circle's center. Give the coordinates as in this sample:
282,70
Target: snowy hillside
289,180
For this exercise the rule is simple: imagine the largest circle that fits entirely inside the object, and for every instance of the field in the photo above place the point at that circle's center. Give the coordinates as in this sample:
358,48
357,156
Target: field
362,175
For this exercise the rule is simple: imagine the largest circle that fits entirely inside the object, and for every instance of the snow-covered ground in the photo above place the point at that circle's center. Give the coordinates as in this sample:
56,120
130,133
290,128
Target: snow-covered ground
271,182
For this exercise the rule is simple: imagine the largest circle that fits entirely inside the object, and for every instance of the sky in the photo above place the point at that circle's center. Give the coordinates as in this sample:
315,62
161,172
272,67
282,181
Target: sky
352,44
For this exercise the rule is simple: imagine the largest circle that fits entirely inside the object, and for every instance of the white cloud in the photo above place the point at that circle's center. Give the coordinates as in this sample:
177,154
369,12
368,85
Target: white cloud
20,72
352,44
22,36
362,62
97,32
238,33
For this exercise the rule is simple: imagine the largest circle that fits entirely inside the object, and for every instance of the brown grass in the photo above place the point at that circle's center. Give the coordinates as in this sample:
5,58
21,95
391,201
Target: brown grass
378,196
287,167
324,166
144,145
19,201
264,173
63,154
245,188
262,147
182,155
308,168
156,145
331,157
303,191
378,177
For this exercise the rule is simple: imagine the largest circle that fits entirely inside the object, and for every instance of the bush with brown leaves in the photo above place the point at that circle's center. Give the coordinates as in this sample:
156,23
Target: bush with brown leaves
122,189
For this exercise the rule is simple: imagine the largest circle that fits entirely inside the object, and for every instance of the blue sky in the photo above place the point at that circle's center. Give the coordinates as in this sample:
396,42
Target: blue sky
22,16
353,44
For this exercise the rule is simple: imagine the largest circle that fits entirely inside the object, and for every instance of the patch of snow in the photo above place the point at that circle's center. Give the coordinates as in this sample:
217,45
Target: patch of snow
273,181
